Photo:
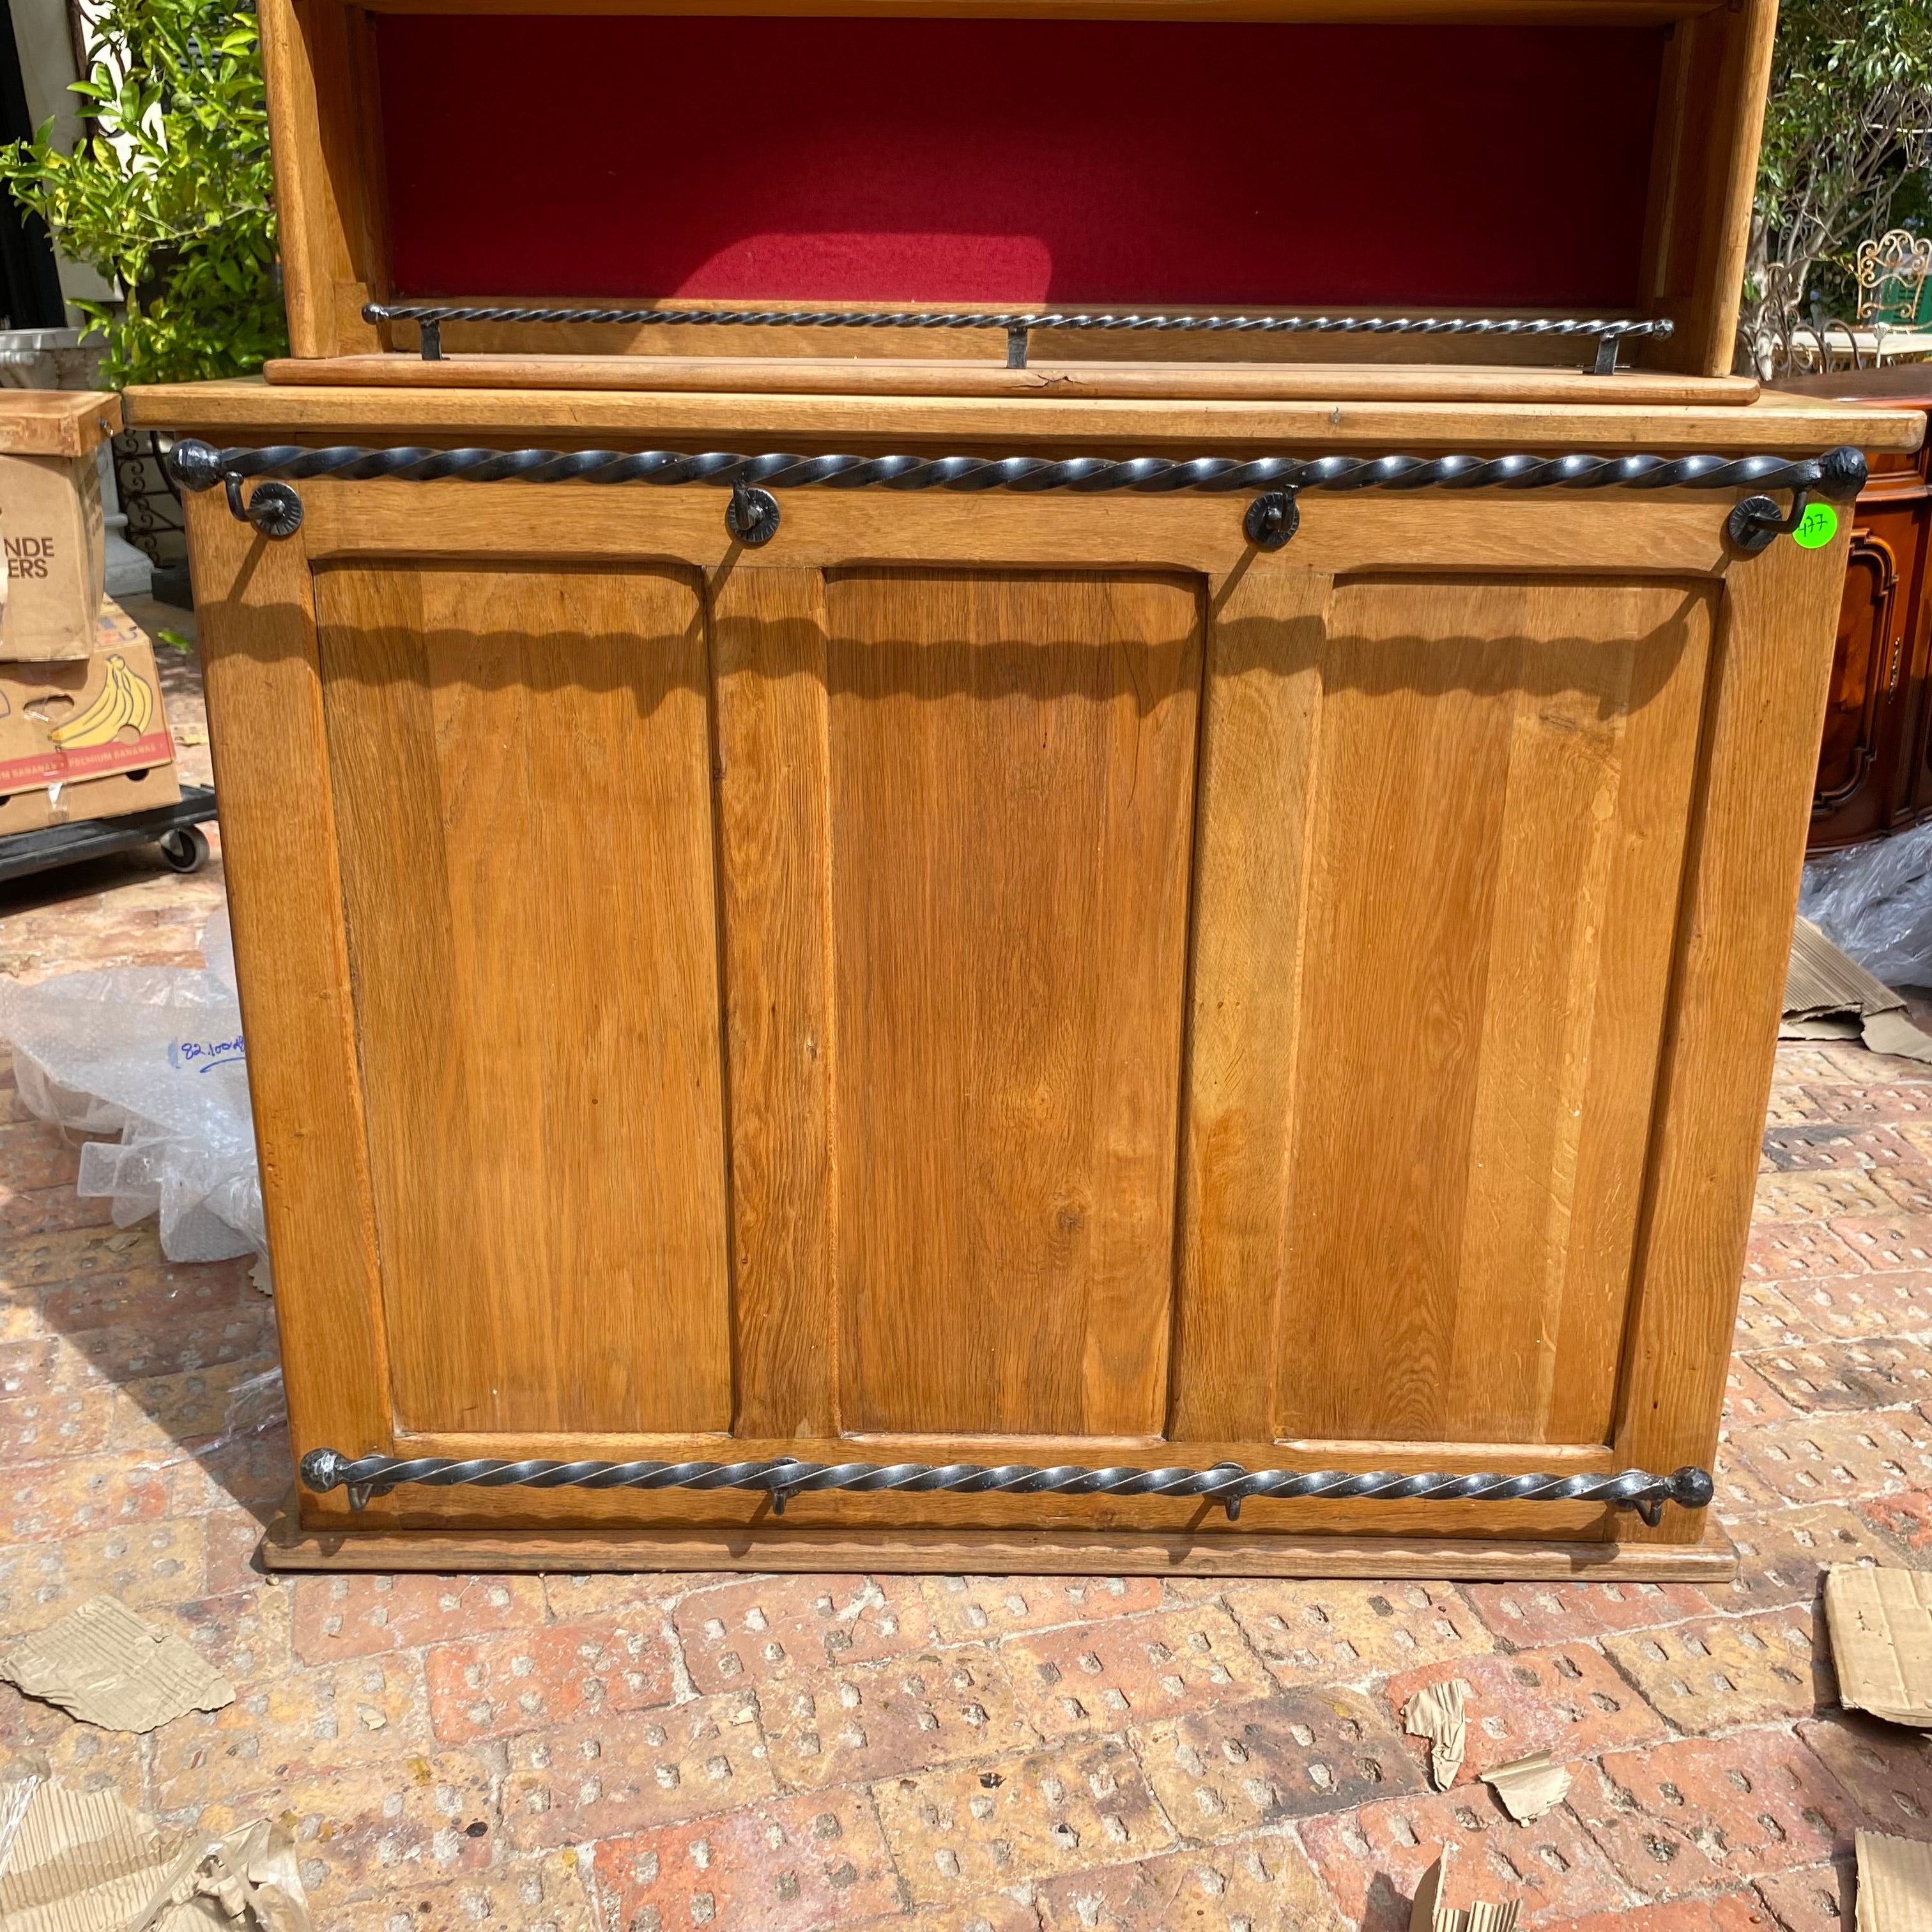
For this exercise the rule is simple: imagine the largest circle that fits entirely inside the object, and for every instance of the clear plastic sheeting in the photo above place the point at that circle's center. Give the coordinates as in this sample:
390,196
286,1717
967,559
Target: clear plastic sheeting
1875,902
154,1054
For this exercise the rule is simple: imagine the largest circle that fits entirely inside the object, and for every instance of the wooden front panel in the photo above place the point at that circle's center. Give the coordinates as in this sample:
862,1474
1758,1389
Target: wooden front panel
521,762
1012,776
1495,834
992,969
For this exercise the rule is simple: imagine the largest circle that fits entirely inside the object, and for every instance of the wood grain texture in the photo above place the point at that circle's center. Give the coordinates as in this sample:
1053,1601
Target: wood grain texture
1258,757
1496,823
645,419
775,864
1012,770
57,422
521,761
308,271
680,361
996,1088
1711,116
254,602
585,524
315,78
1771,674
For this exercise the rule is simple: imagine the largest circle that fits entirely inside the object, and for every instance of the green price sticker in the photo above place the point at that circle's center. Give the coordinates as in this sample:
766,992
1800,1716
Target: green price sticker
1816,527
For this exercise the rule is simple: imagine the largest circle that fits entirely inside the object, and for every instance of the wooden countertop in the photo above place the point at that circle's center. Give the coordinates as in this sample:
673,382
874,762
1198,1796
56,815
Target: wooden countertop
243,408
1313,379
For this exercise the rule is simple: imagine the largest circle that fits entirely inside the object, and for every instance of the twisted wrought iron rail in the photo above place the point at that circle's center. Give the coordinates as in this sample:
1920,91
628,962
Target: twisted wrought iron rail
1228,1484
752,515
1610,335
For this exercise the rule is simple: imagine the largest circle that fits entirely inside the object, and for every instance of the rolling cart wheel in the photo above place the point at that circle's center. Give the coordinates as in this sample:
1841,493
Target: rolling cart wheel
185,847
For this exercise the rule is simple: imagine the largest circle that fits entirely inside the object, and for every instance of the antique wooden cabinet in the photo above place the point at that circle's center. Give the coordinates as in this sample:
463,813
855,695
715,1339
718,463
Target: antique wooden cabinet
1875,764
974,930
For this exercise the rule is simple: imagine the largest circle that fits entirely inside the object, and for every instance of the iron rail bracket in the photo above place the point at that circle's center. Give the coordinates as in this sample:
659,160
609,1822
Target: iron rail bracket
752,516
274,508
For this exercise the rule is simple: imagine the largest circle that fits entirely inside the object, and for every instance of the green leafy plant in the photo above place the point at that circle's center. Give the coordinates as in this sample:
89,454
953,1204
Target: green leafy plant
1848,127
169,192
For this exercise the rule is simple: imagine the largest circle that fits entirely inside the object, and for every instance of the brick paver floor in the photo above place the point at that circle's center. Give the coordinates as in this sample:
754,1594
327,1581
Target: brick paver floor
786,1754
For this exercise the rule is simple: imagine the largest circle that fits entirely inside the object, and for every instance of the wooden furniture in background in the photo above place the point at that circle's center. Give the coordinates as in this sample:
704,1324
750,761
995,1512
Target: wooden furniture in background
996,975
1875,764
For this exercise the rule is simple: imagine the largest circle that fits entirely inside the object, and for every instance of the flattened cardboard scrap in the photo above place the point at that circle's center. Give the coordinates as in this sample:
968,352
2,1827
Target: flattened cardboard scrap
1439,1713
1895,1884
81,1861
1427,1913
107,1666
1881,1624
1530,1786
1829,995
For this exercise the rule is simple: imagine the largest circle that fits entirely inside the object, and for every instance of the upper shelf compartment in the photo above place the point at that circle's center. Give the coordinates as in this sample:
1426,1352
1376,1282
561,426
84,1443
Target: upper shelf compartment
1565,161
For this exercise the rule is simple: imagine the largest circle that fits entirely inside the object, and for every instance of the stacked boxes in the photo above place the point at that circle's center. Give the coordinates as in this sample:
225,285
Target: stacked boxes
83,733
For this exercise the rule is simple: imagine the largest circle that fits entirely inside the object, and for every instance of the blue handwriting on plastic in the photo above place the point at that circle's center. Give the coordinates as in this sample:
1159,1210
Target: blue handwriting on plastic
203,1056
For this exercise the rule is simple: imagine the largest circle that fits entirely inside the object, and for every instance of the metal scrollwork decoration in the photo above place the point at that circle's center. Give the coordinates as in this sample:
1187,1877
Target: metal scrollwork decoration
1891,271
1274,484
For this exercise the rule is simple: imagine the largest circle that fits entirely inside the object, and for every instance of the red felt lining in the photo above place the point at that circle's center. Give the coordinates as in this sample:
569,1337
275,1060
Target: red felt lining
969,161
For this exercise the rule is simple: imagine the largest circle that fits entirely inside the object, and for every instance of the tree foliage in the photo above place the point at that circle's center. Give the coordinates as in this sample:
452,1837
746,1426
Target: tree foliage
1849,119
169,192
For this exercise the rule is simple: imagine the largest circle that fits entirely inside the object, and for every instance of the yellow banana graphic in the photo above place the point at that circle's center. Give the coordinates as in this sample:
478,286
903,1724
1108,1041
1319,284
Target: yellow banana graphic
124,699
140,699
99,721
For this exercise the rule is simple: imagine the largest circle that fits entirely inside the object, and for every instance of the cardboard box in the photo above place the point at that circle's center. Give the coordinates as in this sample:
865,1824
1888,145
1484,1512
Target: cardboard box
52,529
85,739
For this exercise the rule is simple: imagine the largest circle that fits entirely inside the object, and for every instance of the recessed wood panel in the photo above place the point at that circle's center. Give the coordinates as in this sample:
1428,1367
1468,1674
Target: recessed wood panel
1011,775
521,764
1495,845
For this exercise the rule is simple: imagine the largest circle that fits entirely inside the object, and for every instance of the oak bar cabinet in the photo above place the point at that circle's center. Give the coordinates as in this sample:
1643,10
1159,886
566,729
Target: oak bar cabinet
1012,786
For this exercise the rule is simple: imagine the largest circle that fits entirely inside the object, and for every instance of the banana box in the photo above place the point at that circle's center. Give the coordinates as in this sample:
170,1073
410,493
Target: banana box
52,533
86,739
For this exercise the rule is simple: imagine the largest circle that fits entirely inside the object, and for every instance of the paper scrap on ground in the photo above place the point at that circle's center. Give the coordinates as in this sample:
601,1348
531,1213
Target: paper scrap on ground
1427,1913
246,1879
1881,1623
102,1663
83,1861
1438,1714
1530,1786
1895,1884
